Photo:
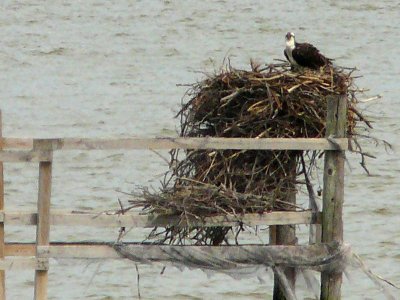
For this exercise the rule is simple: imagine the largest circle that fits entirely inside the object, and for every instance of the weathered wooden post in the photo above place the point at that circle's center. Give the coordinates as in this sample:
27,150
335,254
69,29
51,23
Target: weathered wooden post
2,272
286,235
43,219
333,192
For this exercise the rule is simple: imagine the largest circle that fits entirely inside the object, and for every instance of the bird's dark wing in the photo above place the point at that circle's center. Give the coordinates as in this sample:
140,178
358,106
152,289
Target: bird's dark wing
287,57
307,55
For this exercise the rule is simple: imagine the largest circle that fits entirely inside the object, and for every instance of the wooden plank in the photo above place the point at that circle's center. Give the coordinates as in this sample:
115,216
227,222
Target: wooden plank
81,251
182,143
43,224
20,249
58,218
25,156
17,143
64,250
333,192
22,263
2,272
317,257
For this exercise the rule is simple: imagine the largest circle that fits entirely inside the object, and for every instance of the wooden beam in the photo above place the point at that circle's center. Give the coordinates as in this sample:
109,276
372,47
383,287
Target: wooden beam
17,143
286,235
59,218
24,156
43,223
333,192
22,263
91,250
317,257
2,273
182,143
20,249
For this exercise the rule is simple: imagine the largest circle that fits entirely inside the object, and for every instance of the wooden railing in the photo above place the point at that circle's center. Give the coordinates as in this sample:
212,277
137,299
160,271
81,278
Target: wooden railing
36,256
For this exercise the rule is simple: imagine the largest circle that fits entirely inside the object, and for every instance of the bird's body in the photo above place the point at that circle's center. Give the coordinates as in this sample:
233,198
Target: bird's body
304,54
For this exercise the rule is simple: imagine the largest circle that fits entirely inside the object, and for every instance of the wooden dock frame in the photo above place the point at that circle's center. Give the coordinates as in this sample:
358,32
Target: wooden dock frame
14,256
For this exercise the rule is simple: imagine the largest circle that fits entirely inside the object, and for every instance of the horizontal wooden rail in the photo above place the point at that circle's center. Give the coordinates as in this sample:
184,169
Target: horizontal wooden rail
24,263
25,156
149,221
90,250
181,143
317,256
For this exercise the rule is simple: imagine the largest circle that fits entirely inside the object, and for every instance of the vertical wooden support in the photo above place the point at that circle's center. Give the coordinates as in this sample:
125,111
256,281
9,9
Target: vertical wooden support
43,222
315,231
333,192
286,235
2,273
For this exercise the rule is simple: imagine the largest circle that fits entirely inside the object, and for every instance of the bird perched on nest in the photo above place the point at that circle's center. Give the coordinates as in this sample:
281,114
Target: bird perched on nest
304,54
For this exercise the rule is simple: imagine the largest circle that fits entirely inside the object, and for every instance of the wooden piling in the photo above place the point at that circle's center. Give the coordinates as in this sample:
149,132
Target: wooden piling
285,235
2,273
333,192
43,222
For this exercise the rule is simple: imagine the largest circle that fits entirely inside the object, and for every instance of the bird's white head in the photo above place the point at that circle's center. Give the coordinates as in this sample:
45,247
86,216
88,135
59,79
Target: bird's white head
290,42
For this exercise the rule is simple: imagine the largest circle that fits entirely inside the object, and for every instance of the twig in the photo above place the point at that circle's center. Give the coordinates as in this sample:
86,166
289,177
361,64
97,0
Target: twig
122,229
370,99
138,281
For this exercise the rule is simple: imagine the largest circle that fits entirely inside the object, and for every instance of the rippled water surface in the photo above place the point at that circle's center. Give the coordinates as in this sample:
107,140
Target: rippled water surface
110,69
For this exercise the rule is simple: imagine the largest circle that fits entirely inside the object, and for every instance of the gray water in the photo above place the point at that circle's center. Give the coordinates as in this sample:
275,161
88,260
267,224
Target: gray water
110,69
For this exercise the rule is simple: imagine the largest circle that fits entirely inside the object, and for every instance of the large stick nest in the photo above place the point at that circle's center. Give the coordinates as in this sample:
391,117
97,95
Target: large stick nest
274,102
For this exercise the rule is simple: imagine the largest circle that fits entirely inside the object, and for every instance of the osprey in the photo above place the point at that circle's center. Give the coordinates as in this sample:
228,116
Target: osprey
303,54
